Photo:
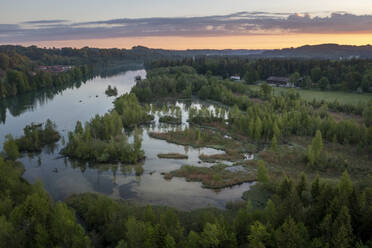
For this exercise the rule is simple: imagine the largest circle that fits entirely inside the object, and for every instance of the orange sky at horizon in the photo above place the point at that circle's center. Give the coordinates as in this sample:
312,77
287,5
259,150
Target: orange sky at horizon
220,42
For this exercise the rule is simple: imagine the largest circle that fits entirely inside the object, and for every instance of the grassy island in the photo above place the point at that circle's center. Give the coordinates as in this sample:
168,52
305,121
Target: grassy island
215,177
173,156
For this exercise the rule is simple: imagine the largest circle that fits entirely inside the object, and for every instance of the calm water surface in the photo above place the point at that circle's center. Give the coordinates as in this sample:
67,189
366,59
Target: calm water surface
62,177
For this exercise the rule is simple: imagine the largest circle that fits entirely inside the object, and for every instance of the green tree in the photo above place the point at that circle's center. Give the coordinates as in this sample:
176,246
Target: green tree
324,83
316,74
193,240
315,149
262,173
10,148
251,76
294,78
258,236
274,143
367,114
122,244
345,185
291,235
367,81
342,231
258,129
7,233
266,90
210,236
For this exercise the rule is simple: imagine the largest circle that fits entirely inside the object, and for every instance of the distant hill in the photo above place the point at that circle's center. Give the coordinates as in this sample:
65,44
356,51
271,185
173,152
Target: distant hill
322,51
141,53
325,51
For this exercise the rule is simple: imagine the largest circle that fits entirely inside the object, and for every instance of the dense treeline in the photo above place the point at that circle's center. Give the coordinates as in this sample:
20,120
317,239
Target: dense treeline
348,75
20,66
20,77
28,216
283,115
297,215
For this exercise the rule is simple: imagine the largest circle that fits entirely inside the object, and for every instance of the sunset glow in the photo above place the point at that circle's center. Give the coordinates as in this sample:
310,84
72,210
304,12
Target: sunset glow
233,42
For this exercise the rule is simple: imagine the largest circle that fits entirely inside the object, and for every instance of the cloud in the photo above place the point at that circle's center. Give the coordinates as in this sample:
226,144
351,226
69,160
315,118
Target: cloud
45,22
241,23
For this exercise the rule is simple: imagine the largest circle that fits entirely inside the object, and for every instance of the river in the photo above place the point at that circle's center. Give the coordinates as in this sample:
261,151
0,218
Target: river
62,177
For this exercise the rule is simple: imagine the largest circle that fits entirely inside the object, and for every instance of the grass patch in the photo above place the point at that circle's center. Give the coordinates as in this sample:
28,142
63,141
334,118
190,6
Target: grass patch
173,156
170,120
228,156
201,138
328,96
215,177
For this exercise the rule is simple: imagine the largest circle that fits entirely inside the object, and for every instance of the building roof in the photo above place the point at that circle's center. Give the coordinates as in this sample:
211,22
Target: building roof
278,79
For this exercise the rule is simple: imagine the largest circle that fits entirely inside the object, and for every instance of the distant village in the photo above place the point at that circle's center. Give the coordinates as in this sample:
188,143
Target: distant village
273,81
55,68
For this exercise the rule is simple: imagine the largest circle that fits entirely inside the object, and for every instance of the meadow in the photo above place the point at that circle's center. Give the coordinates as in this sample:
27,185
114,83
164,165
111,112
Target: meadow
329,96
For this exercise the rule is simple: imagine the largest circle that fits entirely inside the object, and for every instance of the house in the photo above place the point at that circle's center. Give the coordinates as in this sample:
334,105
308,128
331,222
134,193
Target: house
55,68
279,81
235,78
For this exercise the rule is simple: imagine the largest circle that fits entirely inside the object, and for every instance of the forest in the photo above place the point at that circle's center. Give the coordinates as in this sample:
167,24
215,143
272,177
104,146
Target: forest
311,169
340,75
298,214
21,67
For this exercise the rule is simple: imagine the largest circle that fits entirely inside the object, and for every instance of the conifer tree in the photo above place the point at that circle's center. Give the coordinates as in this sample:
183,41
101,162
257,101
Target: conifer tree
262,173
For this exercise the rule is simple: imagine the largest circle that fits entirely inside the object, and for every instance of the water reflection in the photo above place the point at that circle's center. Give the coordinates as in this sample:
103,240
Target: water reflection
143,183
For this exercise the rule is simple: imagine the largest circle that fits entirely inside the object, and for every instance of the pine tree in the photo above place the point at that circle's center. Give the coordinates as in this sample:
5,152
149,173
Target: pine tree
274,143
258,129
302,184
258,236
342,230
291,235
10,147
210,236
315,149
193,240
262,173
345,185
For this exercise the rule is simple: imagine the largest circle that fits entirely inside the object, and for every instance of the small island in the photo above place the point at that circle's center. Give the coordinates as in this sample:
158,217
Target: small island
215,177
173,156
111,91
171,119
36,136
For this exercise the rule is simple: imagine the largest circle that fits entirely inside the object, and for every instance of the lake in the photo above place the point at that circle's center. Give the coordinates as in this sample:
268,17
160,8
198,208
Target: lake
62,177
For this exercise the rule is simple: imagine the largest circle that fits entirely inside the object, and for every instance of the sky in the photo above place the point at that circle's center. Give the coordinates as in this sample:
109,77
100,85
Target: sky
191,24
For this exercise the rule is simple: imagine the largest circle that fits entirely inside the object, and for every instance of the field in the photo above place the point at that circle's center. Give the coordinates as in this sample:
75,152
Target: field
329,96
